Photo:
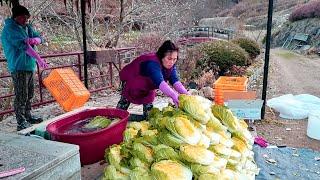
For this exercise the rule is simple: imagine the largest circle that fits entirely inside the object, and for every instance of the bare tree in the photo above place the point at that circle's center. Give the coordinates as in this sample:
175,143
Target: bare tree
166,16
107,21
10,2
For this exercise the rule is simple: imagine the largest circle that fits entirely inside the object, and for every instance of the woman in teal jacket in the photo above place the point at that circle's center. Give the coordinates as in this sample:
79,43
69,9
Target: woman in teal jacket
18,39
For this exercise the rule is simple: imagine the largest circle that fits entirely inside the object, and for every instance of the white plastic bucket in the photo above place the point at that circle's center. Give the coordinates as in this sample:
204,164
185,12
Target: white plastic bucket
313,130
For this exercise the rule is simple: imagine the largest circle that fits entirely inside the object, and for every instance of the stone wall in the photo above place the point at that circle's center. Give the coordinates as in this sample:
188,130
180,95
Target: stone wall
307,26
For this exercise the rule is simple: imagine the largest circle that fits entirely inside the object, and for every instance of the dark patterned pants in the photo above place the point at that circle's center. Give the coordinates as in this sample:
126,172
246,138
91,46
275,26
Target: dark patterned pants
124,103
24,91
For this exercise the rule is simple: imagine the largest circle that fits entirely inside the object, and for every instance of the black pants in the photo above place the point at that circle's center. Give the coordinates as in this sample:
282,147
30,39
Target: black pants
124,103
24,91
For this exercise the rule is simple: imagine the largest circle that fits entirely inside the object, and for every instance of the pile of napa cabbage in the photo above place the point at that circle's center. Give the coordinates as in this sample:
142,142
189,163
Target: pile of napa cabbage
198,140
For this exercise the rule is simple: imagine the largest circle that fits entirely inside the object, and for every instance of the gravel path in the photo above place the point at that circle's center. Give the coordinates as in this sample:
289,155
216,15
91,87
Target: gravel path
290,73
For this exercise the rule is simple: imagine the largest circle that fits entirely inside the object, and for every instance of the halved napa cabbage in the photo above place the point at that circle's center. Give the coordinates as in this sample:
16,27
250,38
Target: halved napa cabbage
239,145
168,111
129,134
163,152
245,136
111,173
198,169
232,163
250,165
198,125
235,155
209,177
226,142
226,117
225,134
214,124
214,137
142,152
98,122
114,155
143,125
228,174
170,170
193,107
196,154
221,150
234,166
243,124
206,103
149,132
168,139
219,162
140,174
183,129
136,162
204,141
147,140
156,119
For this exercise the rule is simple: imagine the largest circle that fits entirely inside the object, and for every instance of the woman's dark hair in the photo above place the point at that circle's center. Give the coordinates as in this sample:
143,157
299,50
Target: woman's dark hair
165,48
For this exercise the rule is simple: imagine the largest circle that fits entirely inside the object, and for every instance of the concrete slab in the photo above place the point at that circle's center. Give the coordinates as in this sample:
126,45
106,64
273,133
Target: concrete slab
7,138
42,159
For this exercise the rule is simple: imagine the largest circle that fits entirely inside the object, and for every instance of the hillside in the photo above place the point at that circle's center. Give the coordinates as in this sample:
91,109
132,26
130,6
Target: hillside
307,26
254,8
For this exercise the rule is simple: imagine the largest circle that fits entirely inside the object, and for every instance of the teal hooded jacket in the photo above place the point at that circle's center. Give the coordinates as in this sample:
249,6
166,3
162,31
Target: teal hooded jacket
13,37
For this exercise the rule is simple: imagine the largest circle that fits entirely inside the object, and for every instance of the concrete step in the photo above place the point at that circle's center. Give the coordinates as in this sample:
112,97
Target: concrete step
42,159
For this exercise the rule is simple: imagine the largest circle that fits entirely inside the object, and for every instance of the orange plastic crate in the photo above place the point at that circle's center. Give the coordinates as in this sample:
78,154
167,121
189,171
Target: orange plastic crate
231,83
66,88
233,95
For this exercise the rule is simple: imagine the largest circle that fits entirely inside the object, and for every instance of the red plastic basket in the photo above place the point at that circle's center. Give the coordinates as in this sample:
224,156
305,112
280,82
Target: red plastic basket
92,145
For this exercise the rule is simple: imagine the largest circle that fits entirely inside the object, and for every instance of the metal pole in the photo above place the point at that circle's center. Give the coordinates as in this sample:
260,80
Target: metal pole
266,62
84,41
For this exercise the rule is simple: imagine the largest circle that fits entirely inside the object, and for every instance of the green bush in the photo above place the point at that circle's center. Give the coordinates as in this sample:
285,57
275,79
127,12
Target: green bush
223,54
250,46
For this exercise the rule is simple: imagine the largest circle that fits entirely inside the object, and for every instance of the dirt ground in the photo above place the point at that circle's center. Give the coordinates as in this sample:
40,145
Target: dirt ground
281,132
293,73
290,73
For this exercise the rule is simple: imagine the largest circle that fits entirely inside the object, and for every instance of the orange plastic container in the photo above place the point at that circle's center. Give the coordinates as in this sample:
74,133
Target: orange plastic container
66,88
232,95
218,97
231,83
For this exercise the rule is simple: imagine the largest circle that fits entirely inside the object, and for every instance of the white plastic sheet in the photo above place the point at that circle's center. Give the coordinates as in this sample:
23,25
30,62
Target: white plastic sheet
295,107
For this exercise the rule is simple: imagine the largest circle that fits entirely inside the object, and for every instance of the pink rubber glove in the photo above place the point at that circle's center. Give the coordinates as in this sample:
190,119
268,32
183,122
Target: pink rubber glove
168,91
31,52
180,88
260,141
33,41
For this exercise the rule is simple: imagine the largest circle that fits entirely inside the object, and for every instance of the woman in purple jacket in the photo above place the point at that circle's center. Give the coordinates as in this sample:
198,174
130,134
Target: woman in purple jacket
149,72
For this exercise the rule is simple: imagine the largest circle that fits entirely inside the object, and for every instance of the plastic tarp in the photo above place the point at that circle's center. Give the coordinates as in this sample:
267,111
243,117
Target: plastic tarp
287,163
295,107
